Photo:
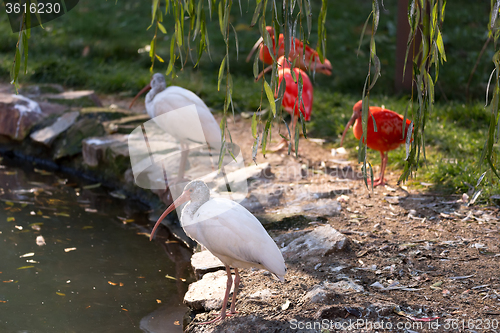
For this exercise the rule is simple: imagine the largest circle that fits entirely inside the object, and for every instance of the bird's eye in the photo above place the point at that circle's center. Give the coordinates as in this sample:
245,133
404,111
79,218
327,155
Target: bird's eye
191,190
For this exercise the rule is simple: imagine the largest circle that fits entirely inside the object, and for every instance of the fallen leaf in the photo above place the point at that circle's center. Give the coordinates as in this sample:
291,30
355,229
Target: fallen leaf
11,219
285,305
60,294
158,301
70,249
42,172
124,309
87,227
62,214
170,277
30,254
25,267
177,323
8,281
112,283
89,187
3,301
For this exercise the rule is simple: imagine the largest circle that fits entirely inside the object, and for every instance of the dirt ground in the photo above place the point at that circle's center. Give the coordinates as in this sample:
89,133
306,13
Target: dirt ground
438,258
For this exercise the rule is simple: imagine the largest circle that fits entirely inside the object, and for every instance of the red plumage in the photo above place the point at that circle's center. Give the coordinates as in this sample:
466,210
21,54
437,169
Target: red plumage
389,134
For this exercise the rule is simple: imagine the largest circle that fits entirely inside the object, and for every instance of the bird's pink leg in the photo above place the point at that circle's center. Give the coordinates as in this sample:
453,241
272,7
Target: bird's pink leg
384,156
235,292
226,297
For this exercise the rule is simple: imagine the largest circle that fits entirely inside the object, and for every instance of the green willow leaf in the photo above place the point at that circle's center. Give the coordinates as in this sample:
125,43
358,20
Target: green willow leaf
256,13
270,97
236,42
221,72
162,28
256,66
439,42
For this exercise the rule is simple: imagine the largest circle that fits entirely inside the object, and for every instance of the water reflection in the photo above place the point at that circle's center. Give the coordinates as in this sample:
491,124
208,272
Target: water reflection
97,271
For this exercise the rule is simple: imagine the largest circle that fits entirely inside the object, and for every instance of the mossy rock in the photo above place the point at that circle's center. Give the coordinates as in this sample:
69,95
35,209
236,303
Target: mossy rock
71,143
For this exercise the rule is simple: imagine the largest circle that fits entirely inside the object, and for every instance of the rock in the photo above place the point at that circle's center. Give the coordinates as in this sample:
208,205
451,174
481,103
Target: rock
322,207
344,286
286,238
252,204
51,108
261,295
207,294
79,98
327,291
322,241
71,144
317,295
249,173
18,115
48,134
268,196
104,149
205,262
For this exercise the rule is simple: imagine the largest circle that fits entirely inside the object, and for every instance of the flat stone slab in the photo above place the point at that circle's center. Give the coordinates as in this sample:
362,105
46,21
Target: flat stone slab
207,294
79,98
48,134
320,242
249,173
205,262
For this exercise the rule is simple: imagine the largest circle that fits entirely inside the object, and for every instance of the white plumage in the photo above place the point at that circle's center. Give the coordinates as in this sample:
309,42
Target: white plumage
161,100
230,232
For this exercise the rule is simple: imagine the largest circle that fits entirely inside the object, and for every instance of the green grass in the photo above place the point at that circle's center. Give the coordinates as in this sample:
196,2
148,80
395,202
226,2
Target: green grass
113,32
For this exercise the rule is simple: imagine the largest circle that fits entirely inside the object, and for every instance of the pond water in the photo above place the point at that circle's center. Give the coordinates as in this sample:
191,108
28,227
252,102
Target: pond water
76,259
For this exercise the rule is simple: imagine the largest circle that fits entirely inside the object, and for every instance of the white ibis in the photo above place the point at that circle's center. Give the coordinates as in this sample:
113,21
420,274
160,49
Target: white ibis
161,100
228,231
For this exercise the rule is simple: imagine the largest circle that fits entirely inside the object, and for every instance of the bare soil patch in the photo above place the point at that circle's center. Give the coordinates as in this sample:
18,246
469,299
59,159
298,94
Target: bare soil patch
439,257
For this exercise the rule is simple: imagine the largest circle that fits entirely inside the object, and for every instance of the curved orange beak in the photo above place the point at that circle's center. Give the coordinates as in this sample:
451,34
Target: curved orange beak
184,197
146,88
349,123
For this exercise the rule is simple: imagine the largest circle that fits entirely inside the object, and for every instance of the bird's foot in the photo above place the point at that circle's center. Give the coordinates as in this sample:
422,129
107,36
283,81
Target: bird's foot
377,182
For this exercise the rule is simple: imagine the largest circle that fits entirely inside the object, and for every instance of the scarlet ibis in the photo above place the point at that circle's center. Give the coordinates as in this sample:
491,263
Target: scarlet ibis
161,100
309,61
228,231
291,102
389,133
